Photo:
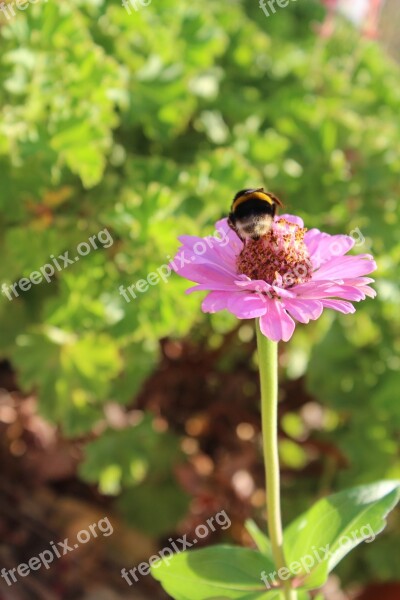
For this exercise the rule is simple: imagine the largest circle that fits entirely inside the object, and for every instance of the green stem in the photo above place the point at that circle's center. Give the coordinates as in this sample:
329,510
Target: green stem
268,365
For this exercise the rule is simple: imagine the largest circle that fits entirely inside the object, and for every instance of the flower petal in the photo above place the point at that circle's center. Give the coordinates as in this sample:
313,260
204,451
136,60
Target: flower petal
361,284
255,285
215,301
359,281
339,305
326,289
323,247
367,291
211,287
276,324
304,310
247,306
291,219
229,239
206,273
345,266
204,251
314,290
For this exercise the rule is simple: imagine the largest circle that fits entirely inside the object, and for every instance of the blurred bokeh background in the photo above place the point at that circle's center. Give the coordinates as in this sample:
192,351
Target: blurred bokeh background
144,122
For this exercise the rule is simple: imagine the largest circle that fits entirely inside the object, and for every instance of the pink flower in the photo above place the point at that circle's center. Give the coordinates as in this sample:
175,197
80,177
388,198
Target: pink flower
289,274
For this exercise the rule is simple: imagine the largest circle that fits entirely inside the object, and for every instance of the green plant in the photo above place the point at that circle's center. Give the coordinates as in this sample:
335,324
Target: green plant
146,125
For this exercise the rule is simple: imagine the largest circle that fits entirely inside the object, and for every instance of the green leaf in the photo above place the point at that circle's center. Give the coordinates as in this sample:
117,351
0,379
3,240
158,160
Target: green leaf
321,537
139,453
75,370
137,464
216,572
140,506
259,537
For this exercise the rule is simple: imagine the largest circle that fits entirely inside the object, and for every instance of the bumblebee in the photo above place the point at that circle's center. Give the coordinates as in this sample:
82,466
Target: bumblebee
252,213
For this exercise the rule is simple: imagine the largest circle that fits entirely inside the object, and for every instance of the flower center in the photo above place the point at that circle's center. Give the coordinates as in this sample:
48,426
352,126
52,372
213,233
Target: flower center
281,257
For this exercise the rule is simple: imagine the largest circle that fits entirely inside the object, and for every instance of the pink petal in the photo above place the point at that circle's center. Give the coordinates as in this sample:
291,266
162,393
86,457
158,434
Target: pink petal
222,226
261,286
339,305
323,247
222,247
368,291
304,310
361,284
314,290
242,305
276,324
211,287
347,292
345,266
291,219
229,238
359,281
256,285
247,306
207,273
284,293
203,251
215,301
326,289
223,235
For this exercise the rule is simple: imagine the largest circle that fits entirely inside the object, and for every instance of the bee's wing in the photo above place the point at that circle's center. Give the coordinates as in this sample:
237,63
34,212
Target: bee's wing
276,199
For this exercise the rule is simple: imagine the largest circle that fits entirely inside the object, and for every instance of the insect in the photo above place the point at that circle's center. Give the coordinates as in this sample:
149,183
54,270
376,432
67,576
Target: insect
252,213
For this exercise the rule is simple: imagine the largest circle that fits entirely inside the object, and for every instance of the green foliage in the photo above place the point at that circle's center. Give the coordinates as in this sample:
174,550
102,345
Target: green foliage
79,374
314,544
216,572
136,463
334,526
146,124
261,540
156,506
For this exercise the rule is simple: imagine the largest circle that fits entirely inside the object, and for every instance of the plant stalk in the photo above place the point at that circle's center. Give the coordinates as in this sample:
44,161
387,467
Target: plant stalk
268,366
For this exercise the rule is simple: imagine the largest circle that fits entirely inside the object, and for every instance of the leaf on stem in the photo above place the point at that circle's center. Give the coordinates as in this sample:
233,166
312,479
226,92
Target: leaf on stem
318,540
215,573
261,540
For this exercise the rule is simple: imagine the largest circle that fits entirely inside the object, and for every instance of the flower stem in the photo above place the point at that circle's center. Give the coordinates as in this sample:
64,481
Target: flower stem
268,365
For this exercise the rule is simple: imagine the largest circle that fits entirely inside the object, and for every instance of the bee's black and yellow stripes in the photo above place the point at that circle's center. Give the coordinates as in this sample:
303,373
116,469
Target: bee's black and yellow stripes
252,195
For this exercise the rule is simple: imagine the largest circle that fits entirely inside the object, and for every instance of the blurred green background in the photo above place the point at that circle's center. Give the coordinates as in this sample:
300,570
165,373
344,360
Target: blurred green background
146,124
